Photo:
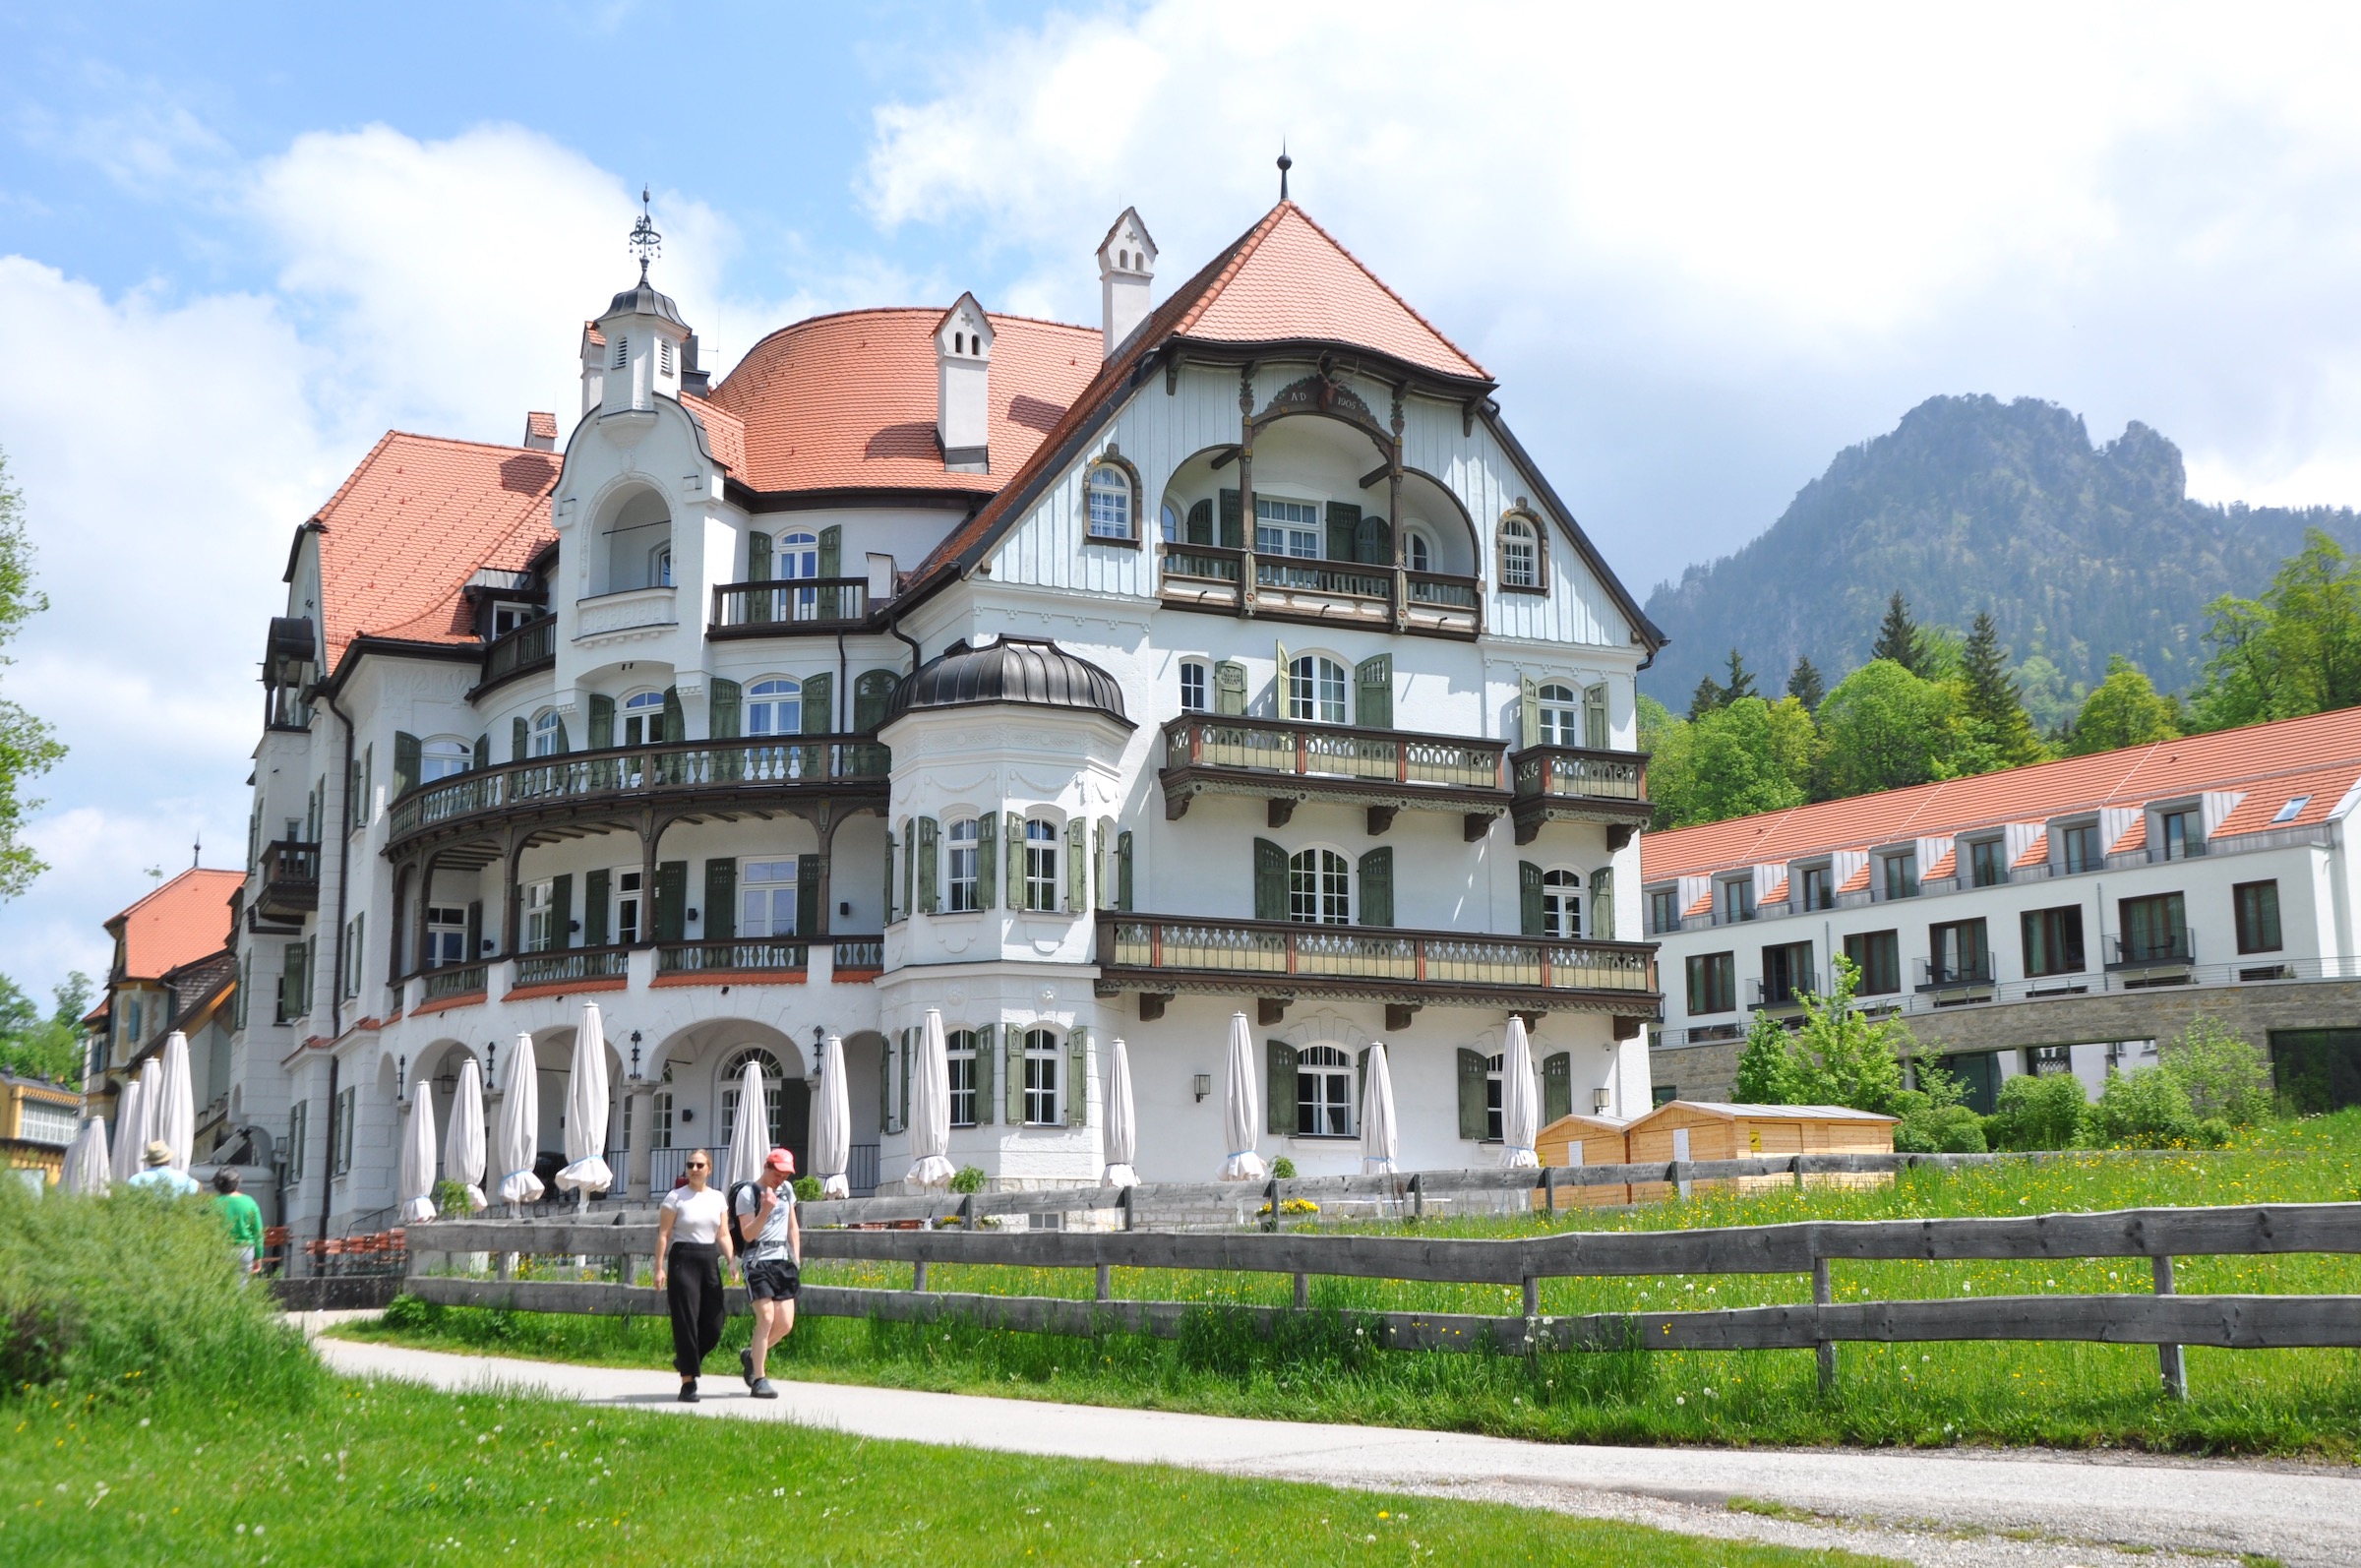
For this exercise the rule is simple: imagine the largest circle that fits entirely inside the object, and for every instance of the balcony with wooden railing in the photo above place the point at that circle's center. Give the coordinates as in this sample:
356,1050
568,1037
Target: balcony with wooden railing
1580,784
789,607
1198,576
289,883
1288,763
1159,956
520,650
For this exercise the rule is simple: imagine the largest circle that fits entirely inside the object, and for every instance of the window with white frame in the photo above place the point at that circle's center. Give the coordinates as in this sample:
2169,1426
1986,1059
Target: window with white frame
1520,554
1287,528
1417,551
659,1112
962,1048
798,561
545,733
1315,690
1560,716
732,1081
960,843
1493,1068
1561,904
1041,1050
507,618
766,895
1196,687
446,935
1172,523
1041,864
442,759
1109,494
774,707
1319,887
660,566
642,717
1323,1093
540,918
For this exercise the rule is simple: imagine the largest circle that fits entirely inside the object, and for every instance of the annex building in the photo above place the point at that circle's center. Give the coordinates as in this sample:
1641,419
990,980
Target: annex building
1229,654
2061,918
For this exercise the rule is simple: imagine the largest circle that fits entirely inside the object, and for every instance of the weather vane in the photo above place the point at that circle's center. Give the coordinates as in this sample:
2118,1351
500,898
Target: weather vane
1285,163
647,243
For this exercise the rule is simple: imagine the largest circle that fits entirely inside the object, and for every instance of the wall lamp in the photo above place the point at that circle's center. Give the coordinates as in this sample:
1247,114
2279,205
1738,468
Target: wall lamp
1205,1085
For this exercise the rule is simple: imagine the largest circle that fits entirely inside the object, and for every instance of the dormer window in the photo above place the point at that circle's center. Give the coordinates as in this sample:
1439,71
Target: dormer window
1520,554
1109,495
508,617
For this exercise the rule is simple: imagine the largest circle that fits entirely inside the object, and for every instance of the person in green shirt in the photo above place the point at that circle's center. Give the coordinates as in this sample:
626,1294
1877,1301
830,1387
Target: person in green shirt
243,1217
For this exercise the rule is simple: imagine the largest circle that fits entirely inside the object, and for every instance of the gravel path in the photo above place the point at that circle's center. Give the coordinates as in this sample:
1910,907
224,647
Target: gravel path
1941,1508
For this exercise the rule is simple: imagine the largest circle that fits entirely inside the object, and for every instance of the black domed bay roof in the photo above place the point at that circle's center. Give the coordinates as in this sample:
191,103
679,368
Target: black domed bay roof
1032,671
640,300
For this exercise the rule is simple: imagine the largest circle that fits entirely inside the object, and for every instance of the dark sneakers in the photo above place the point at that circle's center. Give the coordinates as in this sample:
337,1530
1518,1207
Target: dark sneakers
688,1394
746,1365
764,1390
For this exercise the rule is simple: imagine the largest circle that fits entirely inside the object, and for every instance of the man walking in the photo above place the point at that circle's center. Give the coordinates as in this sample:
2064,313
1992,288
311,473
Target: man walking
773,1244
159,1177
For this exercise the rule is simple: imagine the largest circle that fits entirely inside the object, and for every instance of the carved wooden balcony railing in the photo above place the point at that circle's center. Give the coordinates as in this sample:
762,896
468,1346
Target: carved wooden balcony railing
573,965
788,607
456,979
519,650
726,957
1577,784
1285,763
289,882
1200,577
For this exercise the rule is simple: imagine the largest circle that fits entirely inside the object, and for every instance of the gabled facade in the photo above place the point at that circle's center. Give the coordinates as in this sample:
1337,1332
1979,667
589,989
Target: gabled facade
174,967
944,659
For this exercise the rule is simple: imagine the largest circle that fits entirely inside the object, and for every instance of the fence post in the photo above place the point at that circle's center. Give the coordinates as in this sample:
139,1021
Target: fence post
1417,1195
967,1211
1799,1158
1271,1196
1303,1292
1128,1211
1824,1349
1532,1297
918,1274
1103,1291
1548,1192
2171,1360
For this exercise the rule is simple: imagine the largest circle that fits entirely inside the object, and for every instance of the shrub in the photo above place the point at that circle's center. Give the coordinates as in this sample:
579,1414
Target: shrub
1940,1129
2224,1078
2146,1109
2037,1113
807,1189
1836,1057
969,1179
134,1295
451,1200
1282,1169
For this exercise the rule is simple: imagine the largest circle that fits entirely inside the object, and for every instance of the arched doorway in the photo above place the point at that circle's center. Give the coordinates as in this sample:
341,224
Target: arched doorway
787,1103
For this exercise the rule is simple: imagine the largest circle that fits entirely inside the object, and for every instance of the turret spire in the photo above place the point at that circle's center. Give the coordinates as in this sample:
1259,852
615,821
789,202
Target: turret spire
1285,163
647,243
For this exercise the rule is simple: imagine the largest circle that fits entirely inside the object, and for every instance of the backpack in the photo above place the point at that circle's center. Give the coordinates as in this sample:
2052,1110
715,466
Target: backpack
738,1240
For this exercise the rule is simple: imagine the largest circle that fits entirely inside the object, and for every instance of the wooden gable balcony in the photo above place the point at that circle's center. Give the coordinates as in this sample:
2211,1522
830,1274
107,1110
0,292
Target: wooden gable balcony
1577,784
520,650
1322,592
1285,763
289,882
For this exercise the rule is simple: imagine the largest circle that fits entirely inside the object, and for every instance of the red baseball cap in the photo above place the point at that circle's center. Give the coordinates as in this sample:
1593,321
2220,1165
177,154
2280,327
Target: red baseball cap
780,1160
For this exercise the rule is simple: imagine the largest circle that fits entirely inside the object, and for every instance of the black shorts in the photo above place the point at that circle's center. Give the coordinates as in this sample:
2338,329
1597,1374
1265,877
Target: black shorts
774,1279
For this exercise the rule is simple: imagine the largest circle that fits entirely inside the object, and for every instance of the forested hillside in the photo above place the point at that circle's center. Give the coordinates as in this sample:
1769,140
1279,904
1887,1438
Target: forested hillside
2079,553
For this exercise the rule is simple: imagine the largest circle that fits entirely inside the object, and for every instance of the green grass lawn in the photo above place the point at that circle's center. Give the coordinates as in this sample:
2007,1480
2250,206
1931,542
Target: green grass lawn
2305,1403
372,1473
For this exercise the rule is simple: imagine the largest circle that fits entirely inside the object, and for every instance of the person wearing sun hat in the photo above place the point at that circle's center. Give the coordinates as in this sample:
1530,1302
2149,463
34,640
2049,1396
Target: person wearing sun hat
773,1242
159,1177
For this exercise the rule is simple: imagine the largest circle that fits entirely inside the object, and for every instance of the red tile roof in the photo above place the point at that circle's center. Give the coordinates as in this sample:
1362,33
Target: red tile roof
725,432
2319,756
415,520
543,425
850,401
182,920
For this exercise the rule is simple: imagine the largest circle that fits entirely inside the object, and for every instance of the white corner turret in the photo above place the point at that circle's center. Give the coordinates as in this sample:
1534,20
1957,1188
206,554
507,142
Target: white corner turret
963,360
1127,275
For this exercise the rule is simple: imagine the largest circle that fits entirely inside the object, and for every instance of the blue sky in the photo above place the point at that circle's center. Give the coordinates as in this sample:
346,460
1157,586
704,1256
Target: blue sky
1702,247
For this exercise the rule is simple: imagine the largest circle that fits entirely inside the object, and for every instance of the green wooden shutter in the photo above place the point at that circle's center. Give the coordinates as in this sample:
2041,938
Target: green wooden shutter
807,896
563,746
597,893
1594,717
1377,886
1229,687
1528,712
1015,825
407,763
1278,703
603,722
873,695
757,559
986,1050
1078,867
909,867
819,705
483,752
1279,1087
1557,1086
723,709
901,1103
1100,847
1360,1084
1528,898
1077,1078
1270,881
1123,870
1474,1118
1344,529
1200,523
886,1085
561,910
676,722
831,564
929,853
1373,692
1373,543
1012,1058
988,859
475,932
890,847
721,899
1599,921
672,901
1234,526
520,740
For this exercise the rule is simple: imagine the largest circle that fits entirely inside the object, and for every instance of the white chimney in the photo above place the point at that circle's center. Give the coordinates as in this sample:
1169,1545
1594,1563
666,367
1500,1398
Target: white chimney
963,360
1127,269
541,432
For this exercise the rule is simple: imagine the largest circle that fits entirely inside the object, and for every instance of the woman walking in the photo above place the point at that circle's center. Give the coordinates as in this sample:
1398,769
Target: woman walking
693,1241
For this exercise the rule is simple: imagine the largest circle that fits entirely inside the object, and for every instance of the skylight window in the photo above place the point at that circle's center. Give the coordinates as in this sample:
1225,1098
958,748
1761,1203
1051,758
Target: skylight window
2293,808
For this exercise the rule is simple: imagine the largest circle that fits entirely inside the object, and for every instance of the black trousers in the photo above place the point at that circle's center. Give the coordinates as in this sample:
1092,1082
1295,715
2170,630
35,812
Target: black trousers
693,1287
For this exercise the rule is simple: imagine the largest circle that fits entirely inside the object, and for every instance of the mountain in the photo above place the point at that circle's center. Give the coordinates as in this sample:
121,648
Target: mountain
1969,504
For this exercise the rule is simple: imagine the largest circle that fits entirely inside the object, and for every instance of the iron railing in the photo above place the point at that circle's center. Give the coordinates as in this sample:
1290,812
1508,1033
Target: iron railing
2170,948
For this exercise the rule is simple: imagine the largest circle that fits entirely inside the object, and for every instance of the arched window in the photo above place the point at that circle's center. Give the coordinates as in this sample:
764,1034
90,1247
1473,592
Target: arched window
1041,864
1196,687
1041,1078
644,719
1493,1066
442,759
1560,717
545,733
1108,493
1561,904
660,1112
1319,887
774,707
1315,690
1172,523
960,866
798,561
963,1052
732,1078
1520,554
1417,551
1323,1093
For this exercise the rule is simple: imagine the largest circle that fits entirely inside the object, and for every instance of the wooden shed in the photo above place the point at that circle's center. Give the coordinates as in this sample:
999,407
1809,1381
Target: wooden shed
1706,1130
1583,1140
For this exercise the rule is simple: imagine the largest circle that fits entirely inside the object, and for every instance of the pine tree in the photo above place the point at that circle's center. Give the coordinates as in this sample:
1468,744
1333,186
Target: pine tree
1897,636
1994,702
1805,685
1740,683
1707,698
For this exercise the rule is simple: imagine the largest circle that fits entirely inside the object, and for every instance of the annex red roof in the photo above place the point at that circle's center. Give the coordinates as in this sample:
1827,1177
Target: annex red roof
415,520
183,920
2318,756
850,401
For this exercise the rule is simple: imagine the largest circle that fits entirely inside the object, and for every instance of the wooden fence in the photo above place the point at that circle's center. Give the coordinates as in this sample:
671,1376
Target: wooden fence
2164,1319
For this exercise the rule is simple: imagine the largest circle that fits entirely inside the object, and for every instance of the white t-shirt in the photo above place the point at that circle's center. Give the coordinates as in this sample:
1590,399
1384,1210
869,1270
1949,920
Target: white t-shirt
697,1216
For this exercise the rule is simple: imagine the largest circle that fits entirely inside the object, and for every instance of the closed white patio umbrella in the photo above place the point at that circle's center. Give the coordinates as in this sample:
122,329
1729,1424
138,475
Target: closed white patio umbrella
1380,1138
128,1138
152,1100
517,1139
463,1138
1520,1101
176,1112
1241,1114
930,1107
416,1185
86,1170
1122,1126
749,1138
832,1127
586,1171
